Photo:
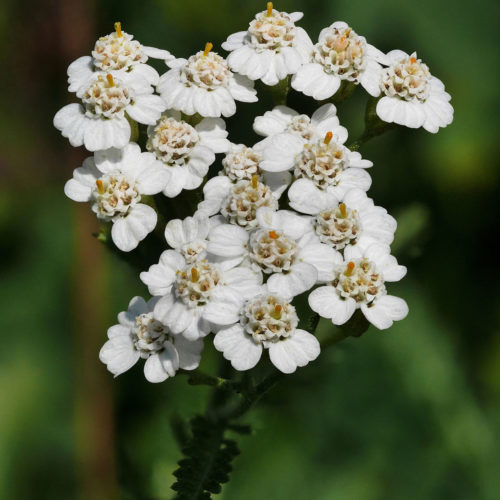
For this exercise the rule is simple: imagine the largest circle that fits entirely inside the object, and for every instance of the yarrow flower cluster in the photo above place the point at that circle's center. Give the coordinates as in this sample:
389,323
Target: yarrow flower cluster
278,227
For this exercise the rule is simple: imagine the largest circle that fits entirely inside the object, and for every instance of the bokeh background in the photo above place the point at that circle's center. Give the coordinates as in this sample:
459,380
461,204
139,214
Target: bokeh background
411,413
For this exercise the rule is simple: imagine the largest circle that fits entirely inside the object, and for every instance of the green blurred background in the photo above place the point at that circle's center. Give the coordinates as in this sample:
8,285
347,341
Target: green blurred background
411,413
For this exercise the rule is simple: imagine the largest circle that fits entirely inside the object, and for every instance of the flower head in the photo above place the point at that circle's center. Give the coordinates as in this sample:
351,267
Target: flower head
359,283
194,293
114,182
267,321
340,55
185,151
116,54
139,335
282,246
204,84
412,96
272,47
100,122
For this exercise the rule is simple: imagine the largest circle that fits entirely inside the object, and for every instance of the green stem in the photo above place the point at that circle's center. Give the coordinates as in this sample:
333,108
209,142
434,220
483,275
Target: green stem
279,92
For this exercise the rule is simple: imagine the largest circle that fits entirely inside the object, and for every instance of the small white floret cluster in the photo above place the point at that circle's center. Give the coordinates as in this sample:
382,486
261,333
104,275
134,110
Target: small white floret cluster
286,216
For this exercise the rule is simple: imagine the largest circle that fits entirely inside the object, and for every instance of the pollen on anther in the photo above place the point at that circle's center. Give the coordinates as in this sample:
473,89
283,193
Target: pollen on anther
208,48
274,235
328,138
269,9
350,268
100,187
111,82
118,29
255,181
194,275
343,210
413,60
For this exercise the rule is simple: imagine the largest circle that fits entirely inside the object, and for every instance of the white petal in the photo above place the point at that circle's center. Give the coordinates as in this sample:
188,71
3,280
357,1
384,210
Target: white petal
173,313
129,231
189,352
305,197
234,41
155,53
297,350
176,181
242,88
385,310
238,347
323,258
280,154
158,367
71,121
301,278
273,122
224,307
160,277
213,134
243,281
119,354
147,109
327,303
227,240
314,82
153,178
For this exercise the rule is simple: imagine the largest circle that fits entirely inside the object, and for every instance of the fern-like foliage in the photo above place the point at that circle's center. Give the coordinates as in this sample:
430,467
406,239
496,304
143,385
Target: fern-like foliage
207,460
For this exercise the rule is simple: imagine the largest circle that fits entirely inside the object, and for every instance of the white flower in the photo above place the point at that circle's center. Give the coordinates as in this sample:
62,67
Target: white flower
340,55
283,246
412,96
139,335
192,293
267,321
271,49
186,151
238,202
100,122
114,181
354,221
116,53
188,237
325,169
286,120
359,283
204,84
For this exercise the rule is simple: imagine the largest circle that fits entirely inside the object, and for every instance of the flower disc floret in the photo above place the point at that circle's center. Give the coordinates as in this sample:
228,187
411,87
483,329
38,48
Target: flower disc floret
272,251
206,70
268,319
241,164
408,79
106,98
271,30
149,335
245,198
341,52
360,280
172,141
196,282
338,226
300,125
116,51
114,195
321,162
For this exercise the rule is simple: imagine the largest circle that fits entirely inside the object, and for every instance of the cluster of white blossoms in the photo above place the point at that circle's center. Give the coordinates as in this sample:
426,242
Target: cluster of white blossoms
281,221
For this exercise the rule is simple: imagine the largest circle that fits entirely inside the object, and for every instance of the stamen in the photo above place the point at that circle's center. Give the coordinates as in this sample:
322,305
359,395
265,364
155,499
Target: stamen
413,60
111,82
350,268
118,29
328,138
347,32
208,48
255,181
274,235
343,210
194,275
100,187
277,312
269,9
